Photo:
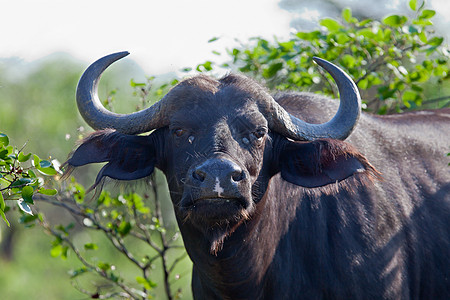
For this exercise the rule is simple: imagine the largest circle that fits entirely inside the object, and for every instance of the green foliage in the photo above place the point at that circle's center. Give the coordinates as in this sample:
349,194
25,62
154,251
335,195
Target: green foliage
392,60
133,224
134,230
18,179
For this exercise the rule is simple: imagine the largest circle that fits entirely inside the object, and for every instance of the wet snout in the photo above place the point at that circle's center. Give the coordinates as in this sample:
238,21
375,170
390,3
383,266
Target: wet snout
218,178
216,189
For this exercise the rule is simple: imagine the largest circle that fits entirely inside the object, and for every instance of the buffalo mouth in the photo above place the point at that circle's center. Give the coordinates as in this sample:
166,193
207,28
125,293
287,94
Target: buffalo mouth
216,217
216,209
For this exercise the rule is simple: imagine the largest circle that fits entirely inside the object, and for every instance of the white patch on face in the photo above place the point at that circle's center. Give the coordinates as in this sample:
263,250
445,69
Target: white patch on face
217,188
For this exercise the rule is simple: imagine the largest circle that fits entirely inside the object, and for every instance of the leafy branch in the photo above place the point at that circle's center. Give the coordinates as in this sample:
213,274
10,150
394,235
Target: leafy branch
393,60
19,180
125,216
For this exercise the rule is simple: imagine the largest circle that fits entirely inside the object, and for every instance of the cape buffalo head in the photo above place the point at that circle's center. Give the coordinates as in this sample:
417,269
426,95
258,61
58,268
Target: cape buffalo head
219,142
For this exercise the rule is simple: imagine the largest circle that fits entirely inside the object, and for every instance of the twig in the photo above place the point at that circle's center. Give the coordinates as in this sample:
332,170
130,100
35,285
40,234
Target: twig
164,243
99,271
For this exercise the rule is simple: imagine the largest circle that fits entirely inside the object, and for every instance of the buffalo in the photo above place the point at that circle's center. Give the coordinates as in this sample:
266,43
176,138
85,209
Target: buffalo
270,200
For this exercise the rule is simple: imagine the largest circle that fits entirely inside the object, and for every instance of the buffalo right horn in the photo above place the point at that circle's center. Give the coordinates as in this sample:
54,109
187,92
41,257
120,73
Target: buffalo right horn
98,117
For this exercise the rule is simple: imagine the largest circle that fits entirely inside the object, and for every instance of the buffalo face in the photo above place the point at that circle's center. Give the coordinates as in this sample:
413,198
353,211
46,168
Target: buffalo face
215,156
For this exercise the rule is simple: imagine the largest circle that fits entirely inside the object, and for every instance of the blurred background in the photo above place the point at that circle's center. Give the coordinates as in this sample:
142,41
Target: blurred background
46,45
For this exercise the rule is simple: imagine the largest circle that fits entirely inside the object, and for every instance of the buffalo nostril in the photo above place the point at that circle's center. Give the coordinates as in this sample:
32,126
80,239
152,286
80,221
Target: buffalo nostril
237,175
199,175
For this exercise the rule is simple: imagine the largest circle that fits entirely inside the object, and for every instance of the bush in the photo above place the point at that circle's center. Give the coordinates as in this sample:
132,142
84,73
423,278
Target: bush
393,61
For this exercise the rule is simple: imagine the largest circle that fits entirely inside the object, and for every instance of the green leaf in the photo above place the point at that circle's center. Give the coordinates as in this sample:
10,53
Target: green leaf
78,192
213,39
364,22
77,272
272,70
330,24
2,202
413,4
21,182
2,213
342,38
395,20
348,61
4,140
136,84
114,278
3,183
45,167
36,160
309,36
4,154
124,228
410,96
90,246
347,14
366,32
436,41
207,66
147,283
65,229
422,22
104,266
56,250
423,37
48,192
23,158
27,194
363,83
31,174
64,252
427,14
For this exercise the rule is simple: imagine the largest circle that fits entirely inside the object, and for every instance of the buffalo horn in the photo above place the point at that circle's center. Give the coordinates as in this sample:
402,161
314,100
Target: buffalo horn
98,117
339,127
156,116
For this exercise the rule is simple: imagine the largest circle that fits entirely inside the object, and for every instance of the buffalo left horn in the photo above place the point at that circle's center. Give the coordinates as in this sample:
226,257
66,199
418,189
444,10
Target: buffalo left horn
339,127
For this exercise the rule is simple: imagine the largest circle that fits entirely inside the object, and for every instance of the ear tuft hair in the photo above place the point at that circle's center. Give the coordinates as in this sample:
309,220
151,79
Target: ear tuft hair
128,157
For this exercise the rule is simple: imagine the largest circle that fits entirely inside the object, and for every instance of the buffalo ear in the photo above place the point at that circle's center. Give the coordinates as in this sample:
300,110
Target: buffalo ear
128,157
321,162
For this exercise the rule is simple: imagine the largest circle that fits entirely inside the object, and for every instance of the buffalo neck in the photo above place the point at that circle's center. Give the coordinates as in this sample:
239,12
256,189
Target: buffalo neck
241,267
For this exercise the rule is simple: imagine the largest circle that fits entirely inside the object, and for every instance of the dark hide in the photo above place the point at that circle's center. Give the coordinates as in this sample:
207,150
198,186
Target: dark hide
321,162
128,157
264,217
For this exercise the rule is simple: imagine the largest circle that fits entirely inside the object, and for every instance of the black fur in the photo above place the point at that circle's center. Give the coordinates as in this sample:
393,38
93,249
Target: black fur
304,220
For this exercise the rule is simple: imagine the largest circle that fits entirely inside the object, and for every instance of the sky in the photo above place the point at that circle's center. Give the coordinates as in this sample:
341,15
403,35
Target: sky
162,36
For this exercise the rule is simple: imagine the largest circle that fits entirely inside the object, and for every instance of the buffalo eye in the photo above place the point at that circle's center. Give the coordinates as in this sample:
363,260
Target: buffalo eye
179,132
259,134
255,137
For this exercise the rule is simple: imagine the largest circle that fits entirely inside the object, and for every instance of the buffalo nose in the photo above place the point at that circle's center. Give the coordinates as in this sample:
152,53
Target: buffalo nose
221,169
199,174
